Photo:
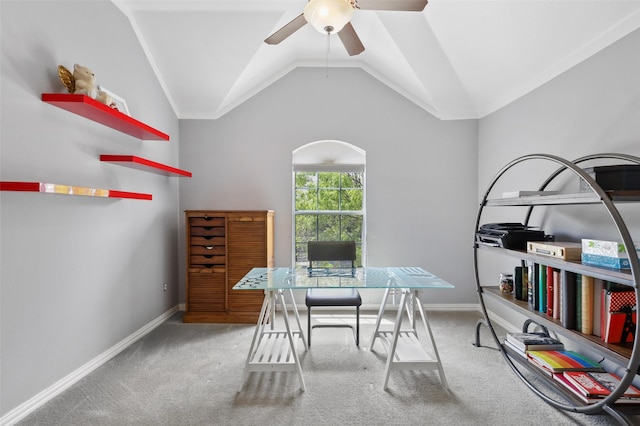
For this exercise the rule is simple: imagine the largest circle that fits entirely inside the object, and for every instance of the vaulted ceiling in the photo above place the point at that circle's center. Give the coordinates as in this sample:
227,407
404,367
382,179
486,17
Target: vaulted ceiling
457,59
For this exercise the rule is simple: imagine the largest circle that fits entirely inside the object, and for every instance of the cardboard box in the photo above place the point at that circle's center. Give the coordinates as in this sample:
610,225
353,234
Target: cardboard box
605,261
607,248
559,249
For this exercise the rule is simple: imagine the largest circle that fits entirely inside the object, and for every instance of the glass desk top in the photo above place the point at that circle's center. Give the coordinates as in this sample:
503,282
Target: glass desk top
370,277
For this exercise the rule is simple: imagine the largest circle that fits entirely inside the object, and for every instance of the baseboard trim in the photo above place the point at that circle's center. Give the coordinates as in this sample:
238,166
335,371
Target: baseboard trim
26,408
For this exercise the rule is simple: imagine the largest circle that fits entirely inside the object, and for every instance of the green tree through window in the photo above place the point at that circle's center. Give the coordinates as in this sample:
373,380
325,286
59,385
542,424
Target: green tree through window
329,206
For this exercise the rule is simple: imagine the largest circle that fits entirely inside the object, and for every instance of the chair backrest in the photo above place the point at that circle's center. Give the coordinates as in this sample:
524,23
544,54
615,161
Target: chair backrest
331,250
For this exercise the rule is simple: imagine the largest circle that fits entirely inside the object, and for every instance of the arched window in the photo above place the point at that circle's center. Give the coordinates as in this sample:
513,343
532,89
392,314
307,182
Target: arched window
328,196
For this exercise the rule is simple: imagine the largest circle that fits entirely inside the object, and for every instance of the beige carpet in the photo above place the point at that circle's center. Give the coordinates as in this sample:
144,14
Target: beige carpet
188,374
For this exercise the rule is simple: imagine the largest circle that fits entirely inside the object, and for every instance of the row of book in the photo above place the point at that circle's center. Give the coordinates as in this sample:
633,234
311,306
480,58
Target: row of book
580,302
581,376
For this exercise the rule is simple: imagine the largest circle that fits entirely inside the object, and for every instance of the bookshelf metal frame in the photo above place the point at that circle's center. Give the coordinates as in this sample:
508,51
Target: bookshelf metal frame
596,196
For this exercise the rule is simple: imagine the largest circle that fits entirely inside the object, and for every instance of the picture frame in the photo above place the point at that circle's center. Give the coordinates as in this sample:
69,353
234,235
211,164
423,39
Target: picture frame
120,103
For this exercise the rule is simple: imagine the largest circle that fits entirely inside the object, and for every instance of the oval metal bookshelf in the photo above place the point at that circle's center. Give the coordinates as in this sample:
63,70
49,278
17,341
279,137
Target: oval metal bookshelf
596,195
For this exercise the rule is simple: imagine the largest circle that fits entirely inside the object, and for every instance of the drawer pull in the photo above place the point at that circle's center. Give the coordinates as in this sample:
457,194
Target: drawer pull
209,247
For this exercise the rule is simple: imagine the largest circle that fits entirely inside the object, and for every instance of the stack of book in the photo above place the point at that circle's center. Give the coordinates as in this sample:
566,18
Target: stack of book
591,387
521,343
583,377
607,254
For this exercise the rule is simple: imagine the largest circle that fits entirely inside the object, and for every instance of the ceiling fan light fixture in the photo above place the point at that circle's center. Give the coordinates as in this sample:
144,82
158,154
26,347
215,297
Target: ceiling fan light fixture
328,16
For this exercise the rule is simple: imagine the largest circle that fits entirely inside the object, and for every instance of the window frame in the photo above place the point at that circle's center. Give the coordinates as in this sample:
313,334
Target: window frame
345,158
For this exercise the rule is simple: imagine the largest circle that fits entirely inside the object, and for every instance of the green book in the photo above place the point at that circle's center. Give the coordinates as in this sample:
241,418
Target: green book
542,288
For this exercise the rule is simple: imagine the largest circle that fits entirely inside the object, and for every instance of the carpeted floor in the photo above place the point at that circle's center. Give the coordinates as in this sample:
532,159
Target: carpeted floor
189,374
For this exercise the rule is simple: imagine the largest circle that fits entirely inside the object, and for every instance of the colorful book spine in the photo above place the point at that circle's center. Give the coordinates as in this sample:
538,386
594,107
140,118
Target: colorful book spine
598,285
517,282
542,288
532,285
586,326
550,294
557,294
568,309
578,326
564,361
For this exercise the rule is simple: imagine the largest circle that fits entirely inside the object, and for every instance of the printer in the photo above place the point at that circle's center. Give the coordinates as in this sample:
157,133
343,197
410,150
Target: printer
509,235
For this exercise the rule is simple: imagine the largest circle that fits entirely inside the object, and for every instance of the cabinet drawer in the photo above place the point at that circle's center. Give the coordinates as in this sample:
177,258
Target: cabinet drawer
208,250
207,241
206,221
206,261
207,231
207,273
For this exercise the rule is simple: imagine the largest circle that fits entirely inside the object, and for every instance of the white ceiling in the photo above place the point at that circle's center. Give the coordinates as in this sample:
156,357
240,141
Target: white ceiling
456,59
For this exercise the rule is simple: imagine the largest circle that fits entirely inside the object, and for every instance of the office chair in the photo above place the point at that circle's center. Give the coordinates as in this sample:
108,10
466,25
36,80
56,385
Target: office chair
336,251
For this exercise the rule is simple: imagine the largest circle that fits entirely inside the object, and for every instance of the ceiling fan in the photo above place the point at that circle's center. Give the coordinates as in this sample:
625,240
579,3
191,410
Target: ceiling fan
330,16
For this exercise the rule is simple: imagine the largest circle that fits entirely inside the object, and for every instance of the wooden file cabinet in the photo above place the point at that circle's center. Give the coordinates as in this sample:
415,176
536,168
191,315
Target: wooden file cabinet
222,246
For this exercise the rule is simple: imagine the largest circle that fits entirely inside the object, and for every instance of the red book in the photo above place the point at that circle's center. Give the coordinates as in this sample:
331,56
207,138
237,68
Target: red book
598,384
618,314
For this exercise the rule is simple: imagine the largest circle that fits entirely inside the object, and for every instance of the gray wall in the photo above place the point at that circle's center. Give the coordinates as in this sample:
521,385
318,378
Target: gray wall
78,274
421,172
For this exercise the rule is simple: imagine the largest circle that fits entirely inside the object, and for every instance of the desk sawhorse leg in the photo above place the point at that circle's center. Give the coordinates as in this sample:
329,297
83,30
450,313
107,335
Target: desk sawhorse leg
274,350
404,350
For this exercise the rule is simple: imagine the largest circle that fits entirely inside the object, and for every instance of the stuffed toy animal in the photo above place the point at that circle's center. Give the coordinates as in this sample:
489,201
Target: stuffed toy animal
104,98
85,81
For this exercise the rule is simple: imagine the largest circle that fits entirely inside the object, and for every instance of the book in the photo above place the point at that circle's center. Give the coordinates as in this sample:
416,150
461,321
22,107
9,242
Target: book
579,392
586,298
534,341
578,302
516,194
532,285
511,349
618,316
562,360
568,318
542,288
557,294
550,292
598,285
525,283
517,282
599,384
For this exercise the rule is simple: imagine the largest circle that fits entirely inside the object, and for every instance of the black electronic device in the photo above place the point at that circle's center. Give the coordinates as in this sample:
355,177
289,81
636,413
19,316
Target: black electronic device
508,235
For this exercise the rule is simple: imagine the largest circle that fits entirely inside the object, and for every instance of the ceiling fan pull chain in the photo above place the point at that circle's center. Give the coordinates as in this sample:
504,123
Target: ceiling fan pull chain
328,50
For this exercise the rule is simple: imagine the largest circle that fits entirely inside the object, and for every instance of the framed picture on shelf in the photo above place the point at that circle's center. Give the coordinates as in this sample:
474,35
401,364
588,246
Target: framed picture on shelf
118,103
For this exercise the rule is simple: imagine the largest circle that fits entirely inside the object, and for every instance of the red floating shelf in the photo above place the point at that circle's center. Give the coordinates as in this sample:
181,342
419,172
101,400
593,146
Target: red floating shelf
54,188
101,113
144,164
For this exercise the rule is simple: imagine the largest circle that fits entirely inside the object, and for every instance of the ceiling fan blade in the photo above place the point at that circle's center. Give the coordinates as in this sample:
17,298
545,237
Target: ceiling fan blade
408,5
287,30
350,39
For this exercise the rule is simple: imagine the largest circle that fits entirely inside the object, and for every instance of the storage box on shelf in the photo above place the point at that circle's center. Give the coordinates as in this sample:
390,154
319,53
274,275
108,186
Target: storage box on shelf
620,354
